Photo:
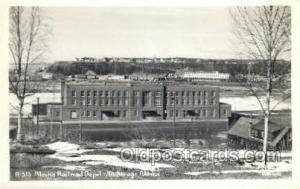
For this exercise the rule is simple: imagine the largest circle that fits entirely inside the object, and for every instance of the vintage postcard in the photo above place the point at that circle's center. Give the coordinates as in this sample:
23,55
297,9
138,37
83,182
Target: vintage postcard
150,93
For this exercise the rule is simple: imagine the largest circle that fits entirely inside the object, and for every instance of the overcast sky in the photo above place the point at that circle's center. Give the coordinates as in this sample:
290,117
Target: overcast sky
140,32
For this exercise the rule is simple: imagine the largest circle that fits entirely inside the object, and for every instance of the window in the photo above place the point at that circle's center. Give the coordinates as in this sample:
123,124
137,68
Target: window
224,111
82,114
176,113
94,102
204,93
119,93
57,113
124,113
188,93
182,93
112,93
100,102
88,101
82,93
199,93
94,113
73,93
194,93
83,102
73,102
73,114
106,93
176,93
171,113
88,114
88,93
126,102
157,101
94,93
100,93
125,93
106,101
136,113
112,101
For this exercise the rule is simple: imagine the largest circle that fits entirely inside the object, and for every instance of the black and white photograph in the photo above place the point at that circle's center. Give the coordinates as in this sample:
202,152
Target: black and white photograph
149,92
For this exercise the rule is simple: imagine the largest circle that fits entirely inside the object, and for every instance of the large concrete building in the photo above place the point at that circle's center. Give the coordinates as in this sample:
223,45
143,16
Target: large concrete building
98,106
111,101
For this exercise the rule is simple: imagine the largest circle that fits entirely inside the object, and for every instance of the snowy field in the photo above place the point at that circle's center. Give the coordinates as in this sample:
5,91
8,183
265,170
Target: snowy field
245,103
77,158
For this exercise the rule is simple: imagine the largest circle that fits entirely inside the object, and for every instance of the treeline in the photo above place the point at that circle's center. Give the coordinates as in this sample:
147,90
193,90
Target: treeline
120,68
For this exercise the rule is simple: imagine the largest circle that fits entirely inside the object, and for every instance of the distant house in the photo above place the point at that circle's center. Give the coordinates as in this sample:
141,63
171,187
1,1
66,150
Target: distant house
205,76
248,133
90,75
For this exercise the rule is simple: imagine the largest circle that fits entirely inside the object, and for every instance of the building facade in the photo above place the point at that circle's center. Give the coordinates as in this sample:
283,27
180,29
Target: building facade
86,100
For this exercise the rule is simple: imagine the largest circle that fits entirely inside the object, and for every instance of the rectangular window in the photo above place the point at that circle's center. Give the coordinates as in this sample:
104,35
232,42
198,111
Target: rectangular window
57,113
106,93
126,102
88,93
119,93
88,101
157,101
194,93
94,93
124,113
176,113
112,93
112,101
73,93
106,101
88,114
82,114
176,93
188,93
199,93
182,93
94,113
83,102
73,114
100,102
94,102
73,102
100,93
82,93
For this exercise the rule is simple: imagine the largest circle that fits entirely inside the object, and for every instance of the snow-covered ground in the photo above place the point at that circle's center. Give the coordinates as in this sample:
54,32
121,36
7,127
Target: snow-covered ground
250,103
69,152
73,153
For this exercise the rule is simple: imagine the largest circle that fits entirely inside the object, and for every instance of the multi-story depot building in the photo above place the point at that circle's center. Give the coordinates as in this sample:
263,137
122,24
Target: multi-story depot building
101,102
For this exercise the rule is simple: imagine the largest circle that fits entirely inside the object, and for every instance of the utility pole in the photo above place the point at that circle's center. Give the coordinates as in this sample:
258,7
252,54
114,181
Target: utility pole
61,116
174,107
37,116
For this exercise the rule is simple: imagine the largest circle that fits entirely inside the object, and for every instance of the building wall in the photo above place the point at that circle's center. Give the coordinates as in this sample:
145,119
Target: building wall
135,101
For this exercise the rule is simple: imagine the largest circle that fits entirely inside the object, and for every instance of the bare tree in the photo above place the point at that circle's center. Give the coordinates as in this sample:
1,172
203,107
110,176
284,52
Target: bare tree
264,35
28,34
